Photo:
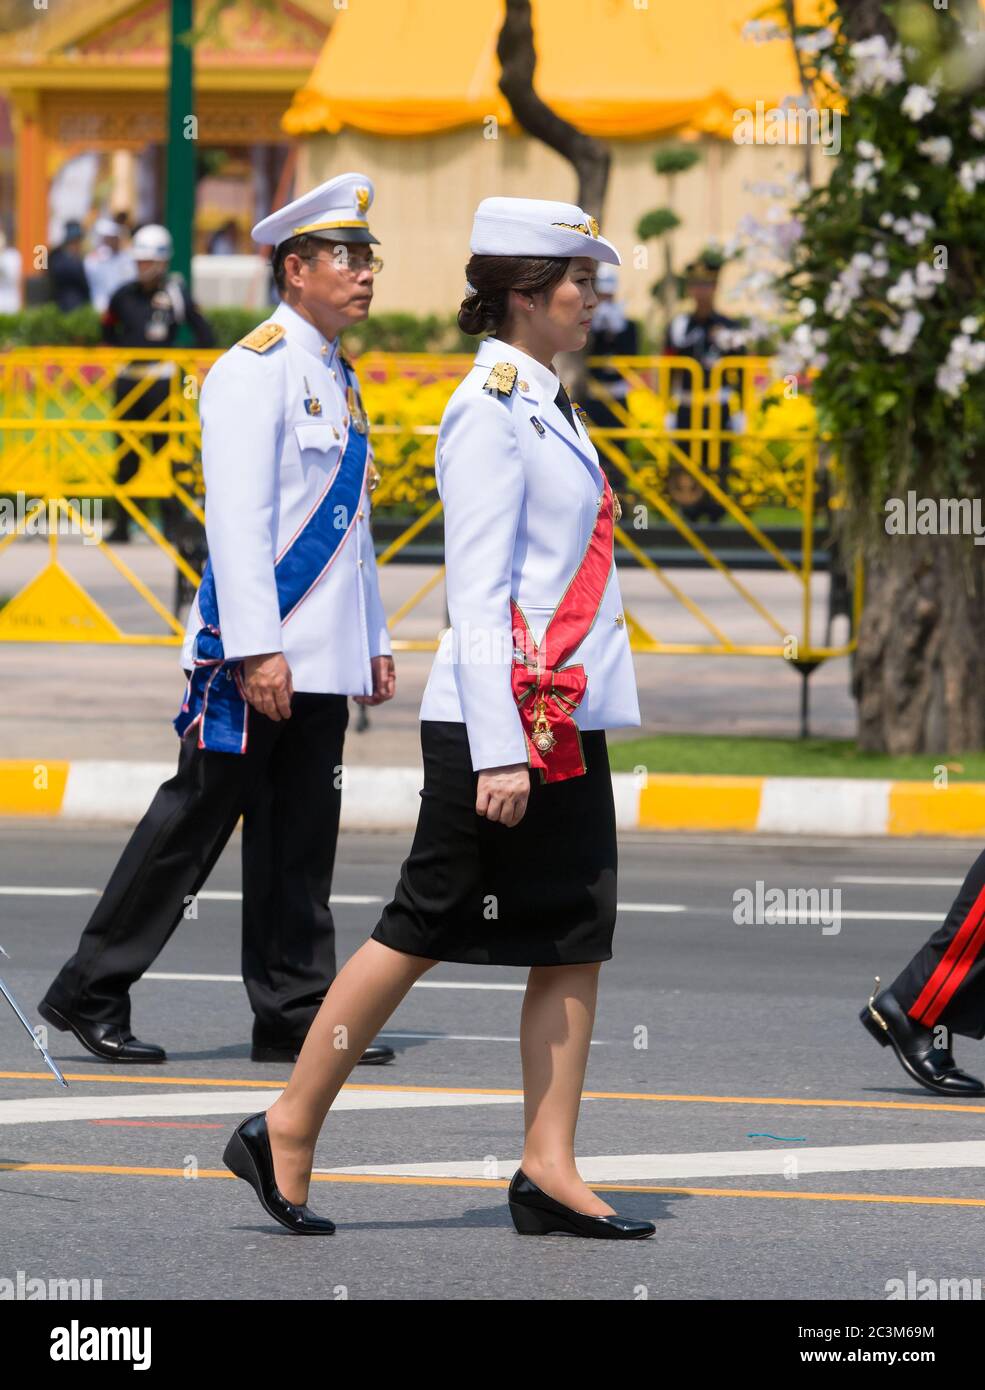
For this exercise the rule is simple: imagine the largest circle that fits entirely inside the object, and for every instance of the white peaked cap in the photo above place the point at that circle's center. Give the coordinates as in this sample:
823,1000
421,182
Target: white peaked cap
335,210
534,227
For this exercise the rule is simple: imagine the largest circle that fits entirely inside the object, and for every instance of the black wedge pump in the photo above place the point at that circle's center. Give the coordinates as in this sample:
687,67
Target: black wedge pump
248,1156
534,1213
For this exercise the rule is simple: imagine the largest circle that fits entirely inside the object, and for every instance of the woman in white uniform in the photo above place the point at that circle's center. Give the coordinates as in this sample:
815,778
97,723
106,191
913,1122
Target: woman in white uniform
514,857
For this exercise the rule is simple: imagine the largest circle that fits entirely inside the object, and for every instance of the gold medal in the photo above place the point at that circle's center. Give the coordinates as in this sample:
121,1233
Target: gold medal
541,737
356,411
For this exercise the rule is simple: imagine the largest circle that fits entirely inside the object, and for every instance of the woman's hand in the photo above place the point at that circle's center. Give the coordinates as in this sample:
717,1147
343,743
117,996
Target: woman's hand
503,792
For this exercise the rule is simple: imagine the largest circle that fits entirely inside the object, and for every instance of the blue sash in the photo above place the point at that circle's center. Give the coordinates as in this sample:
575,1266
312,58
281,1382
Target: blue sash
214,696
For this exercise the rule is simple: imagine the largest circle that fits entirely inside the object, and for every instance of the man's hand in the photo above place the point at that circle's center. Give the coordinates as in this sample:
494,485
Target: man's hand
268,685
384,682
503,792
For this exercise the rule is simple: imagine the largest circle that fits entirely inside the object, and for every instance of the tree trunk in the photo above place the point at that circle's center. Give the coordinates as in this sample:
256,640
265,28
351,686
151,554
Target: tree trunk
919,673
863,19
518,60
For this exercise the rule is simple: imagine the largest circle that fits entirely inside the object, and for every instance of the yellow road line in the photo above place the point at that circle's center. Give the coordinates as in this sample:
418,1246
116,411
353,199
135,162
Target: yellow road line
808,1103
391,1180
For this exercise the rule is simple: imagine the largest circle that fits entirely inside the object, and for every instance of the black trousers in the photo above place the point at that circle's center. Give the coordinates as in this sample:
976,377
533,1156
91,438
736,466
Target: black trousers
944,983
286,787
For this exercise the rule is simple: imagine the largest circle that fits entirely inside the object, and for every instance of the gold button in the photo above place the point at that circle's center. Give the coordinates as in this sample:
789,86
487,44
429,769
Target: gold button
524,386
332,370
619,619
360,564
324,349
359,517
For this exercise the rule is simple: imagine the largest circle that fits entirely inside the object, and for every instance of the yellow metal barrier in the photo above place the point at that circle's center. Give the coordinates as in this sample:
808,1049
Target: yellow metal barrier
69,418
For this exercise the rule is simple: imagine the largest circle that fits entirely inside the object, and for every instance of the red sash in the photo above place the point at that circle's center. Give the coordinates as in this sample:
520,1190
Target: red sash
547,692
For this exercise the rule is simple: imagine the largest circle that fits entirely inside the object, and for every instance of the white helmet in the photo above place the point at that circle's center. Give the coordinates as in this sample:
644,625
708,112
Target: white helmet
152,243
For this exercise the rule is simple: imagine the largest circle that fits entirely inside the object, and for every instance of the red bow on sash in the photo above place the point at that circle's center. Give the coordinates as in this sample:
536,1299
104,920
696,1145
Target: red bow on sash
547,692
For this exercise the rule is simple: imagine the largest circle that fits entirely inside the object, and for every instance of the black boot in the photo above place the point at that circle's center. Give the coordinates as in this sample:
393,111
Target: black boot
915,1047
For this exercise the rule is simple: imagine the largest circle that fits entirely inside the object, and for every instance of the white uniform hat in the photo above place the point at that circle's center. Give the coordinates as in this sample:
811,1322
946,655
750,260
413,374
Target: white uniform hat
336,210
152,243
105,226
534,227
607,280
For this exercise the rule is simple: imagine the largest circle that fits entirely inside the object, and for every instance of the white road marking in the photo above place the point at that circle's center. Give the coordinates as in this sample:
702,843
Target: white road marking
812,918
28,892
903,882
852,1158
49,1109
216,895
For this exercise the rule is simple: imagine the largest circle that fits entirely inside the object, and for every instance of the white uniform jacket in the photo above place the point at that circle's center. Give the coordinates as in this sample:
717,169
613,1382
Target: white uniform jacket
266,459
520,504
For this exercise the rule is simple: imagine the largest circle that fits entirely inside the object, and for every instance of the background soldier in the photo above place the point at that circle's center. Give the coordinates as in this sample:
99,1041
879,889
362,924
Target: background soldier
147,313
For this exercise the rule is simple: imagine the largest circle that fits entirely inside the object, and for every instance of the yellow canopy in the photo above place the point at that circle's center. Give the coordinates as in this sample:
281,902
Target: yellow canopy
414,67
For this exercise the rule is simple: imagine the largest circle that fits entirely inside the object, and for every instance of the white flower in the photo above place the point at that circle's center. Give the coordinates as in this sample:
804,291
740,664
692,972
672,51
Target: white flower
864,178
807,308
928,278
869,151
886,219
965,357
970,175
950,380
918,102
876,65
910,190
814,43
969,325
938,149
762,30
900,340
904,292
977,125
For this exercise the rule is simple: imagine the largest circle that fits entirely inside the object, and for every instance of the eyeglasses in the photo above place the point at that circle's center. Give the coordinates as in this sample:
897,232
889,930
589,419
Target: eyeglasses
349,263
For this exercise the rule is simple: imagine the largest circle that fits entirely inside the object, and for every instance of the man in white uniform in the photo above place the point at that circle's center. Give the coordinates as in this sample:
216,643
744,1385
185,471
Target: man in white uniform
108,266
287,623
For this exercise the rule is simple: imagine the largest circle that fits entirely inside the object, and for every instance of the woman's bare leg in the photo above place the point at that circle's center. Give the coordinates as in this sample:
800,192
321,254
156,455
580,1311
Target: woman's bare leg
555,1032
362,997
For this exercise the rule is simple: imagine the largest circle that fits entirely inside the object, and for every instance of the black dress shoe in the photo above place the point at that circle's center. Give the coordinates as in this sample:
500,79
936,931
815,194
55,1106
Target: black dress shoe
110,1042
248,1156
536,1214
934,1067
374,1055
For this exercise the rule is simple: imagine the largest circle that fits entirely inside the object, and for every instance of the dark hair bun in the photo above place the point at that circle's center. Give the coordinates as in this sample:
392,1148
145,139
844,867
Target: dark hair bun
482,313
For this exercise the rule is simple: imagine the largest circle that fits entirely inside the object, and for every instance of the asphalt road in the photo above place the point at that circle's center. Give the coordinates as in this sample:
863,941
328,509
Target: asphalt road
720,1047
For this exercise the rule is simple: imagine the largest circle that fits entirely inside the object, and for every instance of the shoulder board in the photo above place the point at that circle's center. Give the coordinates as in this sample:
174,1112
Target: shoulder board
263,337
501,379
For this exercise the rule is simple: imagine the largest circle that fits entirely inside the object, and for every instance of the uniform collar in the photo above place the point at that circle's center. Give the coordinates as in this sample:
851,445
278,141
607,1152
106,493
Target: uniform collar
533,378
305,334
538,385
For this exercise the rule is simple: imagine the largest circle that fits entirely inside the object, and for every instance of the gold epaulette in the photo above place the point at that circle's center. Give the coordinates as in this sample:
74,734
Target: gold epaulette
501,379
263,336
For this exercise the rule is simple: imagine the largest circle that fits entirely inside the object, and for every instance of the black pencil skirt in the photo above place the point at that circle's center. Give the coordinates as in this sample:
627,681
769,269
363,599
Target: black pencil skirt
539,893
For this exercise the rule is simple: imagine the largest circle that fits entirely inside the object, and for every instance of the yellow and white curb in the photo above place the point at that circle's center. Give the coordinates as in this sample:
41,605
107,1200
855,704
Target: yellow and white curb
388,798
